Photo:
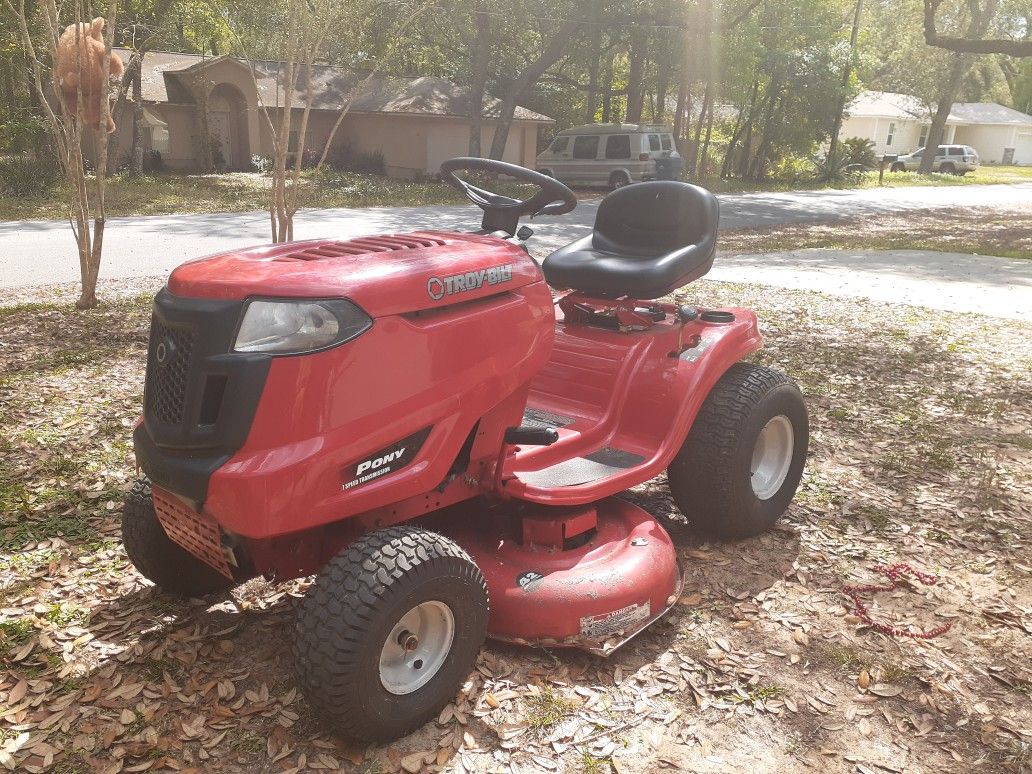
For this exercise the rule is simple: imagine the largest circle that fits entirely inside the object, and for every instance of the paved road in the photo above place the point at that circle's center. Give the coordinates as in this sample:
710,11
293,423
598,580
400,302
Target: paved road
983,284
41,252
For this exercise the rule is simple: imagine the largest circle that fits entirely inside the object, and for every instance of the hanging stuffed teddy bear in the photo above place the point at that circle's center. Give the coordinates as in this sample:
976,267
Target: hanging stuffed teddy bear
85,68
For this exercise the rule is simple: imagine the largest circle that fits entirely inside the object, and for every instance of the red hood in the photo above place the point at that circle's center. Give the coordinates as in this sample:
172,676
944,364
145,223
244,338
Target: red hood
384,274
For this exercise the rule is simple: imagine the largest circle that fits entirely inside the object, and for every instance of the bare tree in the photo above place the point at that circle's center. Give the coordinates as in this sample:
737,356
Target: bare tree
305,30
971,44
85,194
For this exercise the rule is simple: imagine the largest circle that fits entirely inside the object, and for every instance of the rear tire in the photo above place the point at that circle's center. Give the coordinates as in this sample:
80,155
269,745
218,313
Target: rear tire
947,169
618,180
161,561
393,603
743,458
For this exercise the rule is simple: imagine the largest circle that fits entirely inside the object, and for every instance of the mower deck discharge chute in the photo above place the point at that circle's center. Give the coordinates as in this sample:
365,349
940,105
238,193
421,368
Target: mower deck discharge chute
414,418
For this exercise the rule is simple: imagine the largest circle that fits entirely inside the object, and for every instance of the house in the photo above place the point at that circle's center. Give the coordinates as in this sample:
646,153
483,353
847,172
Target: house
898,123
195,105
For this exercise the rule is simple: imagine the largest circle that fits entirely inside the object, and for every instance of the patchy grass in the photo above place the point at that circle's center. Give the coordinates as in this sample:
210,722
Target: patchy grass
984,175
759,662
545,709
977,230
165,194
241,192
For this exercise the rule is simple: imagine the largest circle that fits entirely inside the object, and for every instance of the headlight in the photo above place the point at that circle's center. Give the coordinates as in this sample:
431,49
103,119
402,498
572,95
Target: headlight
292,327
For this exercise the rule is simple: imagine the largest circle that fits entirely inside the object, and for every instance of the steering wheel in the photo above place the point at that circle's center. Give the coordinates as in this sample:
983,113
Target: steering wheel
552,198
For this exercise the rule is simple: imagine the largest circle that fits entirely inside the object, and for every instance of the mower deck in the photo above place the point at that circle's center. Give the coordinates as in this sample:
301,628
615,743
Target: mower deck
589,577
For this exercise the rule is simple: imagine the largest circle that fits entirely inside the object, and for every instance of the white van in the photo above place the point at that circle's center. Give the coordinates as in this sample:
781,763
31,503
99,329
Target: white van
607,154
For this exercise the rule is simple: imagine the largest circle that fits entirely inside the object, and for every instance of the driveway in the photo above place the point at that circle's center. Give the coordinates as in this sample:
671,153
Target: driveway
983,284
41,252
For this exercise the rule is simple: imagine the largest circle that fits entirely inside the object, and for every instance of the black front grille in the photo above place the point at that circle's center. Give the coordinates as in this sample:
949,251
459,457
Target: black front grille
168,372
200,396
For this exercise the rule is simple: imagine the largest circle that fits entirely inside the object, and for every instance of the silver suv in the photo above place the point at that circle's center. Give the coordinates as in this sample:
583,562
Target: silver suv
950,160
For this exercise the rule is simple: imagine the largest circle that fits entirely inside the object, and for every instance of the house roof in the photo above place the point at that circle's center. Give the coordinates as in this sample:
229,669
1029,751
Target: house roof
987,113
334,86
885,104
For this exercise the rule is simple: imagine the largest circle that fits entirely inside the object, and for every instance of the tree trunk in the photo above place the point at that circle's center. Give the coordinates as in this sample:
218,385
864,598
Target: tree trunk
607,95
707,97
682,103
481,60
591,100
732,147
977,25
847,74
531,74
745,155
948,95
758,167
635,94
704,155
136,151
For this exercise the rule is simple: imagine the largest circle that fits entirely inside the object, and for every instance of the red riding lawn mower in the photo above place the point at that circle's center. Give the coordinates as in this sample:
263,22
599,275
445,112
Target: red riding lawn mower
415,418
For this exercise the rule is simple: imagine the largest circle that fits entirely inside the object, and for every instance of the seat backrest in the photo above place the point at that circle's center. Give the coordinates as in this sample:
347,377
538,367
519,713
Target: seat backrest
650,219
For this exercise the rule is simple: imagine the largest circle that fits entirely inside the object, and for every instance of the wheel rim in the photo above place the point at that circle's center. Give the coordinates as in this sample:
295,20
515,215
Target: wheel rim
417,647
772,457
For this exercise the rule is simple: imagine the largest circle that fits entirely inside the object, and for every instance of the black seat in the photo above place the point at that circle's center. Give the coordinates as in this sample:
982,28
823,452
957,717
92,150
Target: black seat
649,240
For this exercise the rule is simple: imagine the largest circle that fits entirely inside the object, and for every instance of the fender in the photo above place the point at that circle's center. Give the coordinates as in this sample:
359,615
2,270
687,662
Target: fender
653,394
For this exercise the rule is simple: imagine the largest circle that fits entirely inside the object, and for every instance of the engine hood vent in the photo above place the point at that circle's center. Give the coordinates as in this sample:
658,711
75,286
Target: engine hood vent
362,246
385,274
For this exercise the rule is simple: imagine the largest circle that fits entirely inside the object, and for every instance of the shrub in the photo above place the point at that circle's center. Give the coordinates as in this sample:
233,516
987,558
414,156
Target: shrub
24,176
791,169
152,161
860,150
347,159
835,168
27,134
261,164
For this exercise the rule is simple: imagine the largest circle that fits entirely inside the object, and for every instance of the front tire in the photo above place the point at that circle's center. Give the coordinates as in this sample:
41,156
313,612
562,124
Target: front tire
160,560
948,169
743,458
389,631
897,167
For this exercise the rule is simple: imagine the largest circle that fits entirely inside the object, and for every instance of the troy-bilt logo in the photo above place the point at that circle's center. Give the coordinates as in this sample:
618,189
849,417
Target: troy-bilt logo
389,460
439,287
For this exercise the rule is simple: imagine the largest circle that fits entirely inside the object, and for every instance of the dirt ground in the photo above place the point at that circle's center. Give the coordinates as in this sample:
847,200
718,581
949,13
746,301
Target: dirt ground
921,452
1006,232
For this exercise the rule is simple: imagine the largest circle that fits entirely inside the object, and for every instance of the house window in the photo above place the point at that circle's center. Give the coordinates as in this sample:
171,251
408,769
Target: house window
892,131
585,147
924,136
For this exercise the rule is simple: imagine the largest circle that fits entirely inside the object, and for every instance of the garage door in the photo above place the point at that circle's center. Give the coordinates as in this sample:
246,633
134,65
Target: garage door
1023,148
